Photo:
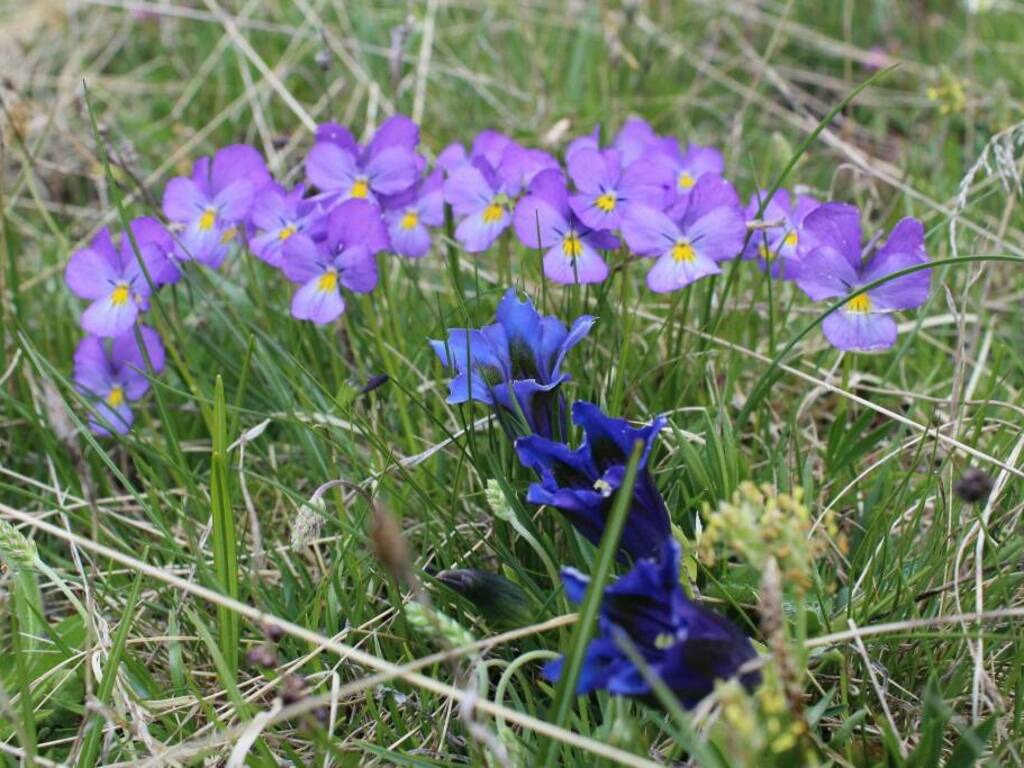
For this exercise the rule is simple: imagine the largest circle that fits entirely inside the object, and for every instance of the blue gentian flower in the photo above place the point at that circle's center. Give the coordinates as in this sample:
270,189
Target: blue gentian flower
581,483
684,644
514,364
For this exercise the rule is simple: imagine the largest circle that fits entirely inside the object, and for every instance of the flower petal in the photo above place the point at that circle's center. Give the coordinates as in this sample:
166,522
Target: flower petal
859,331
93,271
312,303
671,274
903,249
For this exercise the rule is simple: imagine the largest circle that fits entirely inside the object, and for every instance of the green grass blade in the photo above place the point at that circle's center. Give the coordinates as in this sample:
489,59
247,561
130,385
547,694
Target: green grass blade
225,547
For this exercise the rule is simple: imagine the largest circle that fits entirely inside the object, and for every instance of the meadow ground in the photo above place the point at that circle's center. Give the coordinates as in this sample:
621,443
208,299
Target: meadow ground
183,581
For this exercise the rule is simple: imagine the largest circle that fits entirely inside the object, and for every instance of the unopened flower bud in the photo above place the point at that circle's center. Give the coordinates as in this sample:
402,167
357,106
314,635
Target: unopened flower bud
501,602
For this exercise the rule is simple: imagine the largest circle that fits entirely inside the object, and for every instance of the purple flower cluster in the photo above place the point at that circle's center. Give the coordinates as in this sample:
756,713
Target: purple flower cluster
644,193
514,366
673,205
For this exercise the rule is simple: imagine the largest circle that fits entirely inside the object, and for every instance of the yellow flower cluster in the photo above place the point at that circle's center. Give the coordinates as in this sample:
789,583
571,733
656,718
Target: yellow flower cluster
759,523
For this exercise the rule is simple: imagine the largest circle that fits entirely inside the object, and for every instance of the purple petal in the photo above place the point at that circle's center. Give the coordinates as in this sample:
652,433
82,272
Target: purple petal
93,271
478,231
396,131
413,241
330,167
863,331
451,157
825,273
537,223
467,191
718,234
670,273
634,139
234,201
270,208
183,200
490,145
393,170
110,316
549,186
648,232
92,370
107,418
316,302
358,269
593,171
339,135
594,212
586,267
302,260
589,141
837,225
357,222
238,162
710,192
903,249
431,202
128,360
646,182
519,166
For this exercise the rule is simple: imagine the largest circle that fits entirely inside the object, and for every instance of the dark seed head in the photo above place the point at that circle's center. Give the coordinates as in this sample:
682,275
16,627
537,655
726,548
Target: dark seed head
261,656
974,486
272,632
293,689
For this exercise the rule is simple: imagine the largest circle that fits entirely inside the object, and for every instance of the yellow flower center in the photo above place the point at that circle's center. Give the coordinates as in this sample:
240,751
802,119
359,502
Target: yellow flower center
115,397
328,281
493,212
208,219
683,251
606,202
409,220
571,246
686,180
286,232
360,189
766,253
861,304
790,240
229,235
119,297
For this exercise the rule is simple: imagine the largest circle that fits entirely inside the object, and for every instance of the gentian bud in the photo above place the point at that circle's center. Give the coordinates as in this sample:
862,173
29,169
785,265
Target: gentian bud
500,601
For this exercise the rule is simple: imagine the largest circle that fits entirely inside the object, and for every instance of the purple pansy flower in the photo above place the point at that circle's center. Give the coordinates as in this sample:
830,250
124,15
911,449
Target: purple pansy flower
513,364
703,229
543,219
343,170
836,268
680,171
481,201
114,279
581,483
409,214
686,645
278,216
112,374
604,189
784,245
214,202
345,258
